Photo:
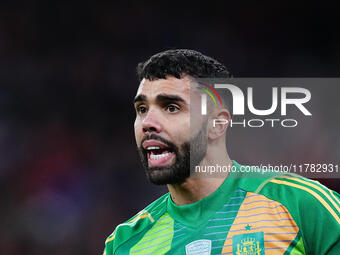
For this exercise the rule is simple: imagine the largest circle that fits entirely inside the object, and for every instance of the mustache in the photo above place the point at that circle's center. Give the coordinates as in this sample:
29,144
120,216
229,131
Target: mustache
169,144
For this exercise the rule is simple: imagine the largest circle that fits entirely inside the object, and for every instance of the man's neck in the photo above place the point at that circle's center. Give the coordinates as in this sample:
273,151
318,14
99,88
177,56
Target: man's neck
195,189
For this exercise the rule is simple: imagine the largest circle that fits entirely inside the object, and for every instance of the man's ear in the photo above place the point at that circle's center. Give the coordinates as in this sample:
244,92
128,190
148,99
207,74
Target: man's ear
218,124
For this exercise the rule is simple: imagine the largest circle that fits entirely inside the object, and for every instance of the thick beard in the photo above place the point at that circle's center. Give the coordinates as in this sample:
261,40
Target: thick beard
186,159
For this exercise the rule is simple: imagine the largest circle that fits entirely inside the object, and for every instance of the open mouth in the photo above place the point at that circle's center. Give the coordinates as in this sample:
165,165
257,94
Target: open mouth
158,154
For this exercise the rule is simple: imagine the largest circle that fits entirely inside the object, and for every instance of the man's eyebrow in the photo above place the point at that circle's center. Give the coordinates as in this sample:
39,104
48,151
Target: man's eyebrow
139,98
169,97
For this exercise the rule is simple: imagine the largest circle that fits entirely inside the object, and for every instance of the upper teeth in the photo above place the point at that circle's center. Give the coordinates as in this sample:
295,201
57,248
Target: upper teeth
153,148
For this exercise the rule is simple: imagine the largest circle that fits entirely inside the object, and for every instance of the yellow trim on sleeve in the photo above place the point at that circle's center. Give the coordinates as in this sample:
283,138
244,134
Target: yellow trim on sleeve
141,215
110,239
334,196
315,187
313,193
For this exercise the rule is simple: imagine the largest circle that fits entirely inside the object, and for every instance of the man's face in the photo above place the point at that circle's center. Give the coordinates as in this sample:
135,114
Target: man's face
162,129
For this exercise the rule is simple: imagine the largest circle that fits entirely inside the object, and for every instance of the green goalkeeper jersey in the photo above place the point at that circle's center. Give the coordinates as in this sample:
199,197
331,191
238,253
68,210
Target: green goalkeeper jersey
265,214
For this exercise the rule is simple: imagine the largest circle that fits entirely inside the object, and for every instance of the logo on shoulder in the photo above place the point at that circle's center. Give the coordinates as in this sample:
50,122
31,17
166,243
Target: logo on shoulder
202,247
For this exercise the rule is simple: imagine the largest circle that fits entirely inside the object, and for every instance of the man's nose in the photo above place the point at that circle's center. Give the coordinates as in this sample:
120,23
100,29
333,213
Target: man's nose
151,122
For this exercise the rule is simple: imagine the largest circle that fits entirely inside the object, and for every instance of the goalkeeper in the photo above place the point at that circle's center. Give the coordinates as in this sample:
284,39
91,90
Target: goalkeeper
265,214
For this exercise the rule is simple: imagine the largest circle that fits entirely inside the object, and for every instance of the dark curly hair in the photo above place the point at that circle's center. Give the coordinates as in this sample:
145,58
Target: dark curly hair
178,62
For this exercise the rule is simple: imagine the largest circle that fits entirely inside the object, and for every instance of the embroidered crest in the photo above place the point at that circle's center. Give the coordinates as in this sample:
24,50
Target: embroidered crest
248,244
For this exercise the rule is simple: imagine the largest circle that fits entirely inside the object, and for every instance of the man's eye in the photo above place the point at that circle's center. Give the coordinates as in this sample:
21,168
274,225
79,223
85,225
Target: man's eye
172,108
141,109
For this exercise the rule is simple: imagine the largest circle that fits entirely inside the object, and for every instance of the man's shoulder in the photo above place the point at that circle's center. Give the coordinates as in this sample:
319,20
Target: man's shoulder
297,193
314,207
139,222
302,192
300,195
296,188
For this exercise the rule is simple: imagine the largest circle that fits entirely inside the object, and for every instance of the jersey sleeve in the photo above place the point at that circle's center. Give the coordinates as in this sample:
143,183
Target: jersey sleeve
126,230
320,222
123,232
109,244
314,207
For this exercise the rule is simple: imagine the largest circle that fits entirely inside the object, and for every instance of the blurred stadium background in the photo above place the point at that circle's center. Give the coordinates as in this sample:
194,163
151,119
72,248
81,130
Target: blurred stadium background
69,169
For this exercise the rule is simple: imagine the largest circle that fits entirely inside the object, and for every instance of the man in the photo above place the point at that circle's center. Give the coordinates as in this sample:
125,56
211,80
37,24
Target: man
265,214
